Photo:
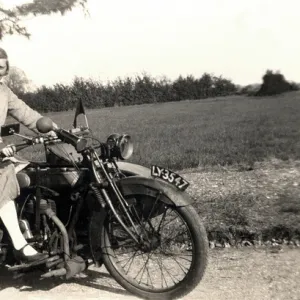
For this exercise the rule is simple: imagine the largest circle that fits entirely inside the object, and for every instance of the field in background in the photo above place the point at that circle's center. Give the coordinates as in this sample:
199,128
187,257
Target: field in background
231,131
222,131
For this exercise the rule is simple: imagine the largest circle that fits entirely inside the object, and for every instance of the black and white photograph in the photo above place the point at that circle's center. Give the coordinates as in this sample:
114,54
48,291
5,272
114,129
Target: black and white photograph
149,149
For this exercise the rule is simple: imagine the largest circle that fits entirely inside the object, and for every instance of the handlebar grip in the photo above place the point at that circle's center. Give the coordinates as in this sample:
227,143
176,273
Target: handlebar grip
18,147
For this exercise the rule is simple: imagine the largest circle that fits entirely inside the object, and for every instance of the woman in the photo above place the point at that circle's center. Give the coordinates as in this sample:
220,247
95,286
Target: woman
11,104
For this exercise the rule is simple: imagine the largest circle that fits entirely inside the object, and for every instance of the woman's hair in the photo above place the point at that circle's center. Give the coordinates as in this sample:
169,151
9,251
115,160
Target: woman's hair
3,55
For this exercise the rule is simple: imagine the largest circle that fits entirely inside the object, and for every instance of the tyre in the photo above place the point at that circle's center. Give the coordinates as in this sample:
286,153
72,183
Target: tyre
171,257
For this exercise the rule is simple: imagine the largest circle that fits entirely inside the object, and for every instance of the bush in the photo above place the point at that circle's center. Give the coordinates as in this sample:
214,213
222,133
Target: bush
127,91
250,89
274,83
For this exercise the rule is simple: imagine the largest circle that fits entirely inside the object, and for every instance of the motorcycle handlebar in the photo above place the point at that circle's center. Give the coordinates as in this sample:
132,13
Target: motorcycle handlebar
67,136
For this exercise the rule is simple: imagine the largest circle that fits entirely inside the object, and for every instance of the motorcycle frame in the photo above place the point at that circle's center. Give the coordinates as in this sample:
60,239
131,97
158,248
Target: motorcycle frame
98,187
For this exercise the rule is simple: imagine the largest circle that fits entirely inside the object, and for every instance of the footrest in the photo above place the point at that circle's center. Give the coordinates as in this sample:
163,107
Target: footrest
28,265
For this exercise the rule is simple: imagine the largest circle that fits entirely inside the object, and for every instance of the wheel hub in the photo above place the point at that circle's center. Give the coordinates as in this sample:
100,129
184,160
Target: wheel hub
150,243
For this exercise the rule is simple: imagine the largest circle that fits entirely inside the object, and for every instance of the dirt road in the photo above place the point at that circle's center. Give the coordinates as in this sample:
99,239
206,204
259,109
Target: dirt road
232,274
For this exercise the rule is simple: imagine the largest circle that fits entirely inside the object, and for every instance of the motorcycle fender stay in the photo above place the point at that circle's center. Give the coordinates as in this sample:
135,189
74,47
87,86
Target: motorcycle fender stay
169,193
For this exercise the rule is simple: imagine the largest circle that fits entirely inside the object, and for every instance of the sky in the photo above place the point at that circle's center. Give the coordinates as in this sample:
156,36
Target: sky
237,39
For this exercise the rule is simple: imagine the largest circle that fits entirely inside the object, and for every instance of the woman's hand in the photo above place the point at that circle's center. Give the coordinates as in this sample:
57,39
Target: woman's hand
8,151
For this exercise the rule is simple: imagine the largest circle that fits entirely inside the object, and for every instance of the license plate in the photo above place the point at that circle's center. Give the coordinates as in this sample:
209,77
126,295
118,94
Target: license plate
170,177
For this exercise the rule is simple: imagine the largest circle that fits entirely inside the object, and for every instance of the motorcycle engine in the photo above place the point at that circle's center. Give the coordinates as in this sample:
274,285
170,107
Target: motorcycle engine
29,211
44,204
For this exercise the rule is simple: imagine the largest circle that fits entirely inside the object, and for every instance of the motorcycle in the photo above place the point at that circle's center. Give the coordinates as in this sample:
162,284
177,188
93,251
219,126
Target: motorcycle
87,206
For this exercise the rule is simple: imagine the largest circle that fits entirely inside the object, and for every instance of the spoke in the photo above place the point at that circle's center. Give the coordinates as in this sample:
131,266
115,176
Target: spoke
171,276
129,243
127,252
151,226
163,217
140,219
172,238
162,274
170,232
136,214
141,254
131,259
143,268
181,266
171,221
149,277
157,197
179,255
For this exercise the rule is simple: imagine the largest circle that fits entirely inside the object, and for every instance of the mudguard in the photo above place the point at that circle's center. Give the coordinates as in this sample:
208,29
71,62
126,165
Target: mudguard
134,169
169,193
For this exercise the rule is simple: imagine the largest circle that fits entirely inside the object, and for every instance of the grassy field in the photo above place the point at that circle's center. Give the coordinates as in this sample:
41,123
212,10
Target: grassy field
220,133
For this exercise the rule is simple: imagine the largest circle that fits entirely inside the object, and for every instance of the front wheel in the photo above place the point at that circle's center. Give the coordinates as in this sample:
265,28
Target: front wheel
171,258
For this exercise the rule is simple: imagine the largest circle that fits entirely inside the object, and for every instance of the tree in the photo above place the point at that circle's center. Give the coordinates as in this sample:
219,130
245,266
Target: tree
17,81
273,83
10,18
205,85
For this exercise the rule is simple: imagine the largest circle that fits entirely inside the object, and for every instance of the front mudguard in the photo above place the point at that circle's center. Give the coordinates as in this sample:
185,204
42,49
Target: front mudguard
142,185
130,169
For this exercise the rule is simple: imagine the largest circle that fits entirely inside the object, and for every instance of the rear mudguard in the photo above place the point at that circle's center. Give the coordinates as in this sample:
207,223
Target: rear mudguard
130,169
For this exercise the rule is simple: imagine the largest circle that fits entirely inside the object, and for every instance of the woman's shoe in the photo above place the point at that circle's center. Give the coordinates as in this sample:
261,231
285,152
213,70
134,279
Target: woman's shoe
19,254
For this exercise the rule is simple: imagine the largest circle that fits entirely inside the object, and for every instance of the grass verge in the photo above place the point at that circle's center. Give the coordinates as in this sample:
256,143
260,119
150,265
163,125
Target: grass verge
256,206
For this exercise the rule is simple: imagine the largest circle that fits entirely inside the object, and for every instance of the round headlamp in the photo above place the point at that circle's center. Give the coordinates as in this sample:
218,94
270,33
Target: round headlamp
120,146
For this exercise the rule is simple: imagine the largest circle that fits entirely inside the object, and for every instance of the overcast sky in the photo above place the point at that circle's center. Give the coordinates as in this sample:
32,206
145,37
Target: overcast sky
235,38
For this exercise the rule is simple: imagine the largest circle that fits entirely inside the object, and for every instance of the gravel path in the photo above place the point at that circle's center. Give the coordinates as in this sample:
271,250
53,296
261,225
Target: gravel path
244,273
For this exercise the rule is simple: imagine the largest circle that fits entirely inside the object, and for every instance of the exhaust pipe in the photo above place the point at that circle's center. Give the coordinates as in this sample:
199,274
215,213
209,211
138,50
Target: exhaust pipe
71,267
51,214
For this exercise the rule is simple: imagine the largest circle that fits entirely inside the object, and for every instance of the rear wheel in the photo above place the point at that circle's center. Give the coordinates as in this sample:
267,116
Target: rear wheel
171,257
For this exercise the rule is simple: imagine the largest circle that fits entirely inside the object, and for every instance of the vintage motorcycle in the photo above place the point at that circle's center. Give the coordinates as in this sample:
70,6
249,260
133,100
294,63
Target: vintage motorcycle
87,206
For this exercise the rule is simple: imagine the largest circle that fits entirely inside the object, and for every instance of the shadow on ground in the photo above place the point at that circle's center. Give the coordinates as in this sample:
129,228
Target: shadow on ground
31,281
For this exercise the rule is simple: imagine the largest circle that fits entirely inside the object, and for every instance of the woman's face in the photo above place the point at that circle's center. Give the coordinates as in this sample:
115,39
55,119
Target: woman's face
3,67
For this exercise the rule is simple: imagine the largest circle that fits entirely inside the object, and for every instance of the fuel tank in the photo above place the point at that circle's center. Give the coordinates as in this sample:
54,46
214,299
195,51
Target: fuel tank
58,178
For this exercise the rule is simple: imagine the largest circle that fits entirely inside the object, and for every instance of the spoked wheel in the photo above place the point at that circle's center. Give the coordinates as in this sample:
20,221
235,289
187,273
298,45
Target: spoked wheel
171,256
